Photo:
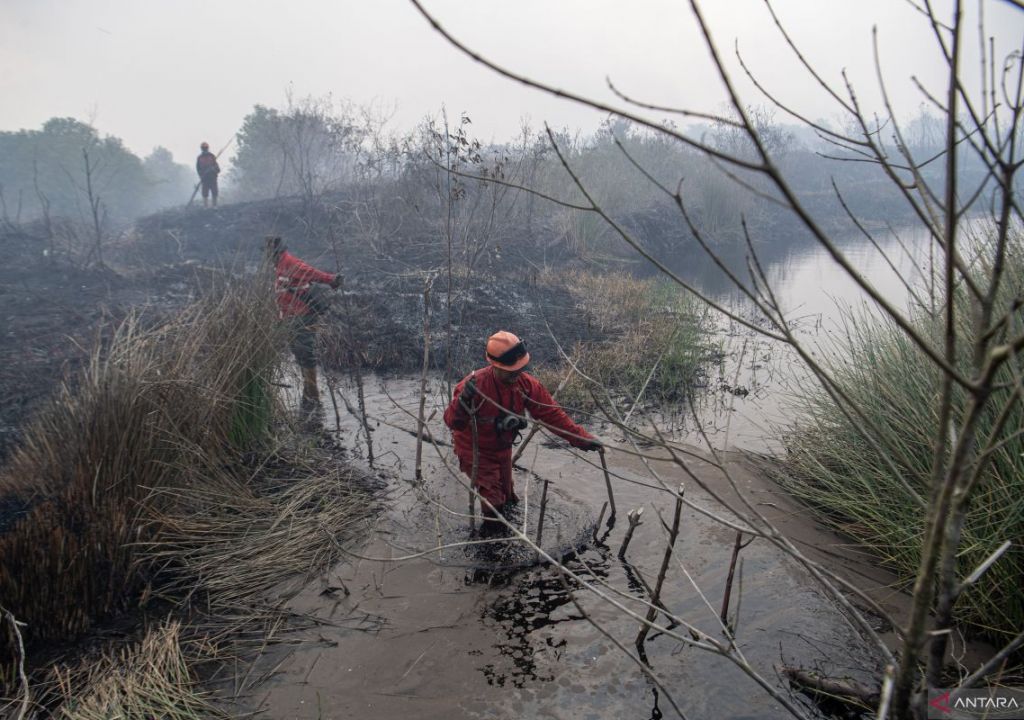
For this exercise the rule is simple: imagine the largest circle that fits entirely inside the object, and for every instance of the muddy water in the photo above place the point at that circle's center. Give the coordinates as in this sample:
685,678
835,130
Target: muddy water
455,633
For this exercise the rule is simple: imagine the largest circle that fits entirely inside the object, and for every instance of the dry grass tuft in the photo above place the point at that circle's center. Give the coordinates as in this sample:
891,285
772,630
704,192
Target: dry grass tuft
236,541
151,679
657,340
187,394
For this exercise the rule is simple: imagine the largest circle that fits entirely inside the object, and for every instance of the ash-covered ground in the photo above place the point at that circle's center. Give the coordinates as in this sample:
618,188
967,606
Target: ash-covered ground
59,305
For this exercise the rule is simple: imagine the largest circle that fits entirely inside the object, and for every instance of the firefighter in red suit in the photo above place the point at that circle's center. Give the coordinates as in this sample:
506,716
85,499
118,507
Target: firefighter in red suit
293,280
207,169
496,399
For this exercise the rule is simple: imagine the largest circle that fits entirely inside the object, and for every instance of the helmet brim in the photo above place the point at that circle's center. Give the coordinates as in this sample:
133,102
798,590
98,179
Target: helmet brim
517,365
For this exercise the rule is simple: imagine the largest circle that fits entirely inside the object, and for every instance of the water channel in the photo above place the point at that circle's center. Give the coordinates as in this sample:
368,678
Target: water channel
453,635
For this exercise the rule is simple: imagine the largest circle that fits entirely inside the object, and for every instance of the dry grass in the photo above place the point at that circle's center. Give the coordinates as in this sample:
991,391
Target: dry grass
190,393
657,340
150,679
236,541
143,481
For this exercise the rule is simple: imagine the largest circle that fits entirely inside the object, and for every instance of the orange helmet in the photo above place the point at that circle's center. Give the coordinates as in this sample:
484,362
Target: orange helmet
204,146
506,351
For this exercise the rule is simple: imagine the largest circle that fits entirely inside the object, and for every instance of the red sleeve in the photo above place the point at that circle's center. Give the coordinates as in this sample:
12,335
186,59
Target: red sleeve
544,408
300,272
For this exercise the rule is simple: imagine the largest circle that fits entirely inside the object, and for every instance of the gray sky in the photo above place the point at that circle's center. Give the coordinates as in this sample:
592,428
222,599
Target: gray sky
174,72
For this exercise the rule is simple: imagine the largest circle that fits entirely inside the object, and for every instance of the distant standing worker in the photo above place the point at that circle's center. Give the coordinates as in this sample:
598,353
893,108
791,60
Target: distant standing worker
496,398
208,170
297,304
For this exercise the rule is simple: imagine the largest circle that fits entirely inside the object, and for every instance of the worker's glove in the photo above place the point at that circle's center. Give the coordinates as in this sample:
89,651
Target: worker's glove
336,282
468,395
593,445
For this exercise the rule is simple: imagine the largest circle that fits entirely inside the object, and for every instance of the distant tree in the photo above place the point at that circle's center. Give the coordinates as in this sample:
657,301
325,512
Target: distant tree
310,147
168,182
45,168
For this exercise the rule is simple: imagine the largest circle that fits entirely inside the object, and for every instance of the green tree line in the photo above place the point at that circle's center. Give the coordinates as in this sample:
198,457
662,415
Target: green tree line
45,173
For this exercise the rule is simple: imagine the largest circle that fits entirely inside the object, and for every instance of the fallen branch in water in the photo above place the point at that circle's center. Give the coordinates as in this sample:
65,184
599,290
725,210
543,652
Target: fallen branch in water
844,689
652,611
737,546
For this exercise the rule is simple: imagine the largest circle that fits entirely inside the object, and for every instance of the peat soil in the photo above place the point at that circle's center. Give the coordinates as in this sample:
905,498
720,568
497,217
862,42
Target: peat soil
56,308
56,311
464,631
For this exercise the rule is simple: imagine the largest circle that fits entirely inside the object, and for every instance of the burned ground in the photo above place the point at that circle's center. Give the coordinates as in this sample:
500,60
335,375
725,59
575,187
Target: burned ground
56,309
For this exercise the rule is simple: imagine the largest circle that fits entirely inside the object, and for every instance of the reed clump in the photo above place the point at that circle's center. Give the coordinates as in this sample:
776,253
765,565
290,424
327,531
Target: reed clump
656,341
831,465
229,547
154,405
237,540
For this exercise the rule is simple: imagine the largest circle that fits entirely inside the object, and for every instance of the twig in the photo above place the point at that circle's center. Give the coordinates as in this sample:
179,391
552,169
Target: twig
737,546
633,517
423,377
26,700
600,517
652,612
993,662
886,695
540,520
639,661
608,484
334,402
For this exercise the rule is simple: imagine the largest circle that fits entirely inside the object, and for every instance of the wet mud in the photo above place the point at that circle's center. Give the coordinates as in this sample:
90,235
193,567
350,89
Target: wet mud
462,634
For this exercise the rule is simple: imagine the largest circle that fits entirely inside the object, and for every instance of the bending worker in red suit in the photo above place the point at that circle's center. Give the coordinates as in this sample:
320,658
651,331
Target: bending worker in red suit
496,399
293,281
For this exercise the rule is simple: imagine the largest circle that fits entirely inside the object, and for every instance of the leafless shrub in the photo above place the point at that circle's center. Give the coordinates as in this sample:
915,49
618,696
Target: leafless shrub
984,127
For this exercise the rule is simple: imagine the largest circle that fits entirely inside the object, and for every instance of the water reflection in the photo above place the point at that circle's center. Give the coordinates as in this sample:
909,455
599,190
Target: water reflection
744,403
807,279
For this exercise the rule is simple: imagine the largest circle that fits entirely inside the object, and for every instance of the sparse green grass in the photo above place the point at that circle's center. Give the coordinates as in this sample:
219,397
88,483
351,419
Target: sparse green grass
658,341
830,465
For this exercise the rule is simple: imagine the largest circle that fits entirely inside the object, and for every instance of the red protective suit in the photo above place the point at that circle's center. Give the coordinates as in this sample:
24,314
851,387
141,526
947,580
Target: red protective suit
293,278
208,169
494,467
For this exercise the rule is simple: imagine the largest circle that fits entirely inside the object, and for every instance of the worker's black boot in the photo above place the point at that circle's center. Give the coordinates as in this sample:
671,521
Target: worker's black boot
492,527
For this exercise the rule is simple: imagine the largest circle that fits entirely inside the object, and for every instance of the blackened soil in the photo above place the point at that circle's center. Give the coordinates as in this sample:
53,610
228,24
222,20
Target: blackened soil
57,308
379,320
55,311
